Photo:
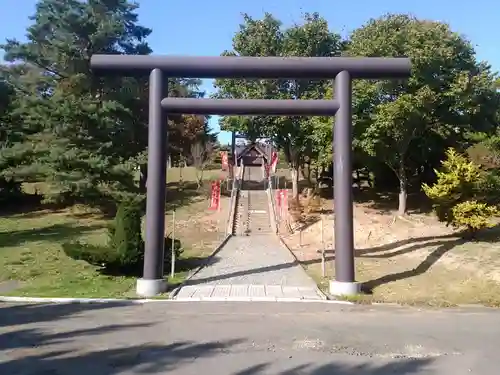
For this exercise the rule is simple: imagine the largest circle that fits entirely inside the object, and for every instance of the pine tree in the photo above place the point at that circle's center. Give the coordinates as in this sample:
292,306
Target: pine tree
83,123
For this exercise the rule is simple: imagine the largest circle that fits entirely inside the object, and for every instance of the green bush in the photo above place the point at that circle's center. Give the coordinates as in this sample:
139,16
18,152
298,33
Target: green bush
125,249
124,252
457,192
473,215
125,237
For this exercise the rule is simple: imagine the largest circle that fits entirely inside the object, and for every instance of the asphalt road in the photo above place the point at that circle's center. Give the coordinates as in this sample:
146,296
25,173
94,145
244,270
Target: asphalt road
246,339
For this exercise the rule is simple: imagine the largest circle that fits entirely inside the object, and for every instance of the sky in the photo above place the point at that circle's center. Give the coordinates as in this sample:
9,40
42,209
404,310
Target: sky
206,28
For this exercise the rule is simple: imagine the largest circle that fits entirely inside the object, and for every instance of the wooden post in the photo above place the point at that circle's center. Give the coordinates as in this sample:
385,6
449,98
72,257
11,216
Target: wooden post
323,263
322,233
172,255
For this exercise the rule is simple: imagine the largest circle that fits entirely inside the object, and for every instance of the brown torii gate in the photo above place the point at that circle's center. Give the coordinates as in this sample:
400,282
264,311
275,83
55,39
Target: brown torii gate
342,69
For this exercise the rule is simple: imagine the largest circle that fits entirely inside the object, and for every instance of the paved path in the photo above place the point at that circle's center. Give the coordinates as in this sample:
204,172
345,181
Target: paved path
192,338
255,267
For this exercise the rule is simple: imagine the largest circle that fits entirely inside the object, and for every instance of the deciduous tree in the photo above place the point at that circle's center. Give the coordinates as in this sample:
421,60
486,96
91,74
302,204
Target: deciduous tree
267,37
449,94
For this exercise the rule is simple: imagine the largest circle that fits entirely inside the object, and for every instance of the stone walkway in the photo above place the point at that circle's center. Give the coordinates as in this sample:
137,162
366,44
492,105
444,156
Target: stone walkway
256,267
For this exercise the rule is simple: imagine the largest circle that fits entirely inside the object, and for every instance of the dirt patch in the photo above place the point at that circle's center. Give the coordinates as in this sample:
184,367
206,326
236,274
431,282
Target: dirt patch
410,260
198,228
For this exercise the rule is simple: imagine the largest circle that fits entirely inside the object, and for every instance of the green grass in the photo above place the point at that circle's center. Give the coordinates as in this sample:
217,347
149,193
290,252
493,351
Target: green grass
31,254
32,259
189,174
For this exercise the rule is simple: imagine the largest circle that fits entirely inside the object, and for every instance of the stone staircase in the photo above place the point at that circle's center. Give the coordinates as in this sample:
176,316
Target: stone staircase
257,211
252,208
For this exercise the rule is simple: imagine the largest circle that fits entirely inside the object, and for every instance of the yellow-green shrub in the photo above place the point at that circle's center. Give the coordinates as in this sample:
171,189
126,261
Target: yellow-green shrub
473,215
455,194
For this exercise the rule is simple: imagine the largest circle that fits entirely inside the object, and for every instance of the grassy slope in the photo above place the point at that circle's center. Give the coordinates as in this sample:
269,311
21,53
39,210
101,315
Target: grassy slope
32,261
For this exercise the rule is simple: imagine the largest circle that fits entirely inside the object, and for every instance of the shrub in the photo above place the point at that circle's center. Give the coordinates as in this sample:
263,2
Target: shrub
456,191
125,237
473,215
125,248
124,252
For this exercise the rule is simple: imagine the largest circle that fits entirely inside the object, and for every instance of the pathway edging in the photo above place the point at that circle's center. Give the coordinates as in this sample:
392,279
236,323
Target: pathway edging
318,290
49,300
62,300
218,248
42,300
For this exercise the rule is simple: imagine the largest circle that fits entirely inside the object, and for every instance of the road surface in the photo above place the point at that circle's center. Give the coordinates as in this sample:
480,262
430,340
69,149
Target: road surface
245,339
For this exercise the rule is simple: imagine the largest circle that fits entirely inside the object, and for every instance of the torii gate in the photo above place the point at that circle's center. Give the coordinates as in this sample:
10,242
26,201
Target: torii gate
160,68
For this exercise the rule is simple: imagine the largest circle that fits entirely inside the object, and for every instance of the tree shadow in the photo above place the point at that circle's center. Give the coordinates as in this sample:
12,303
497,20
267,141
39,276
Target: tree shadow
188,265
37,351
253,185
387,202
56,232
308,221
444,244
21,314
285,182
431,259
384,202
22,204
144,359
182,194
400,367
25,338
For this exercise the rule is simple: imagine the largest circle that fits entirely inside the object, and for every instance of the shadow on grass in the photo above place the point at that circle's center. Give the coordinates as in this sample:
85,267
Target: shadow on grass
285,182
385,202
443,245
417,203
28,206
179,195
54,233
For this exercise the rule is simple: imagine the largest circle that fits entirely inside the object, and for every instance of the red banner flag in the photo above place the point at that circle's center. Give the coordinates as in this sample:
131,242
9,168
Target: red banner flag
278,199
266,168
224,160
274,161
215,196
283,202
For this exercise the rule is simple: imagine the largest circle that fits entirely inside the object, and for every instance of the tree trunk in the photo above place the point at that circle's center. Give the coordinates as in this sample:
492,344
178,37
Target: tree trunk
403,185
199,177
181,177
295,182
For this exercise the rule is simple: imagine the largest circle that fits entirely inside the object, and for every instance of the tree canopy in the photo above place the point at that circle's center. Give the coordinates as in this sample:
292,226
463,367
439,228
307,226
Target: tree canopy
86,136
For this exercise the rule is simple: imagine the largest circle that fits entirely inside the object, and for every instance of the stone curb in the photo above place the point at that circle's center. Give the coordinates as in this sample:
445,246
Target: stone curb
42,300
200,267
232,212
262,299
131,302
318,290
78,300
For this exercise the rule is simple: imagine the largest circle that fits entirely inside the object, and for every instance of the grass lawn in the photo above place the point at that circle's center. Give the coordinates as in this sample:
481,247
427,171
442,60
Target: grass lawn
415,260
32,262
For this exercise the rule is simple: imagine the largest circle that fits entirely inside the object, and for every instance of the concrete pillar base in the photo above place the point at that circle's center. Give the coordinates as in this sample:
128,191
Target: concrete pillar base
150,288
340,288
